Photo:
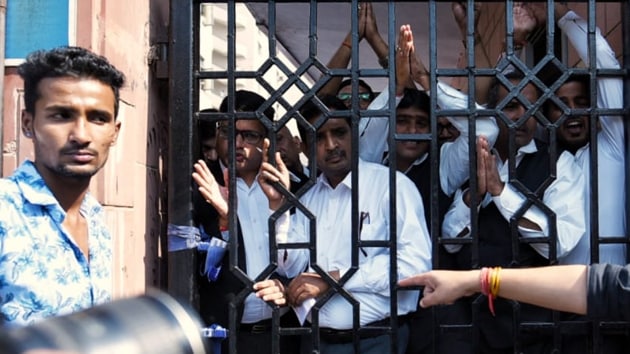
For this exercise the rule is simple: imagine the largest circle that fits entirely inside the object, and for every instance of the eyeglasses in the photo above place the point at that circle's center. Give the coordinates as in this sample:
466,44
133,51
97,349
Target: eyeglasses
365,96
249,136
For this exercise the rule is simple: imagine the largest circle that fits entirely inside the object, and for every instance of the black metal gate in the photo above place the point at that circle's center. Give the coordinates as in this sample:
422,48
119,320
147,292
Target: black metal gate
544,51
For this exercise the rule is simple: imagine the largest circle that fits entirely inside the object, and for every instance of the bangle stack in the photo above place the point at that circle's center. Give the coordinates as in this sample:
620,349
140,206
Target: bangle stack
490,281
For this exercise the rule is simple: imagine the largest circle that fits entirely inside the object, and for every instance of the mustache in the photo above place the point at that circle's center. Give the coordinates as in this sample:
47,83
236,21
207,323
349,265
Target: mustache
336,153
72,150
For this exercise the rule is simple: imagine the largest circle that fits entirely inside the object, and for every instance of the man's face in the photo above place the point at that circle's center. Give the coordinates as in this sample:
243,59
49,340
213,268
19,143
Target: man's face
446,131
574,132
333,147
249,140
208,149
221,143
289,148
411,121
514,110
345,94
72,128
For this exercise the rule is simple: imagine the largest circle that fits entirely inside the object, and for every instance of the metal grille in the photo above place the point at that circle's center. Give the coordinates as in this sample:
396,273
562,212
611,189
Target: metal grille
186,76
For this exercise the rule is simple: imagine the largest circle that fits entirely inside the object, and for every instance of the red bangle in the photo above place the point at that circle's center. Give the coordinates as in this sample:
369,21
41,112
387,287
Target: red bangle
346,44
486,277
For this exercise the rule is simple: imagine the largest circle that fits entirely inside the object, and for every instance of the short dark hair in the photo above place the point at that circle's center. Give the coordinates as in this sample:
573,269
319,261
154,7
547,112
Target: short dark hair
413,98
310,111
207,129
248,101
348,82
67,62
493,93
584,79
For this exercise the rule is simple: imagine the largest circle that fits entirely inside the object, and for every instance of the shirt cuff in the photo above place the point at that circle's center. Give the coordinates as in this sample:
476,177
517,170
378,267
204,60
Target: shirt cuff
510,200
569,16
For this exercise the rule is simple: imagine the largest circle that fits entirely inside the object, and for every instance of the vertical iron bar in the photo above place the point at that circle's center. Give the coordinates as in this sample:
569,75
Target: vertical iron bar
181,264
625,10
392,32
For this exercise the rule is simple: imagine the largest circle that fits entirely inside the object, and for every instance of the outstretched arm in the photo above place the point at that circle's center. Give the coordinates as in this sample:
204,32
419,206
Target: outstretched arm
372,35
341,58
562,288
481,59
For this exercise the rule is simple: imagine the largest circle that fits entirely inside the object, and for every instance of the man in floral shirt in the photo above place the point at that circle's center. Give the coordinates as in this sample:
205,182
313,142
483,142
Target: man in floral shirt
55,252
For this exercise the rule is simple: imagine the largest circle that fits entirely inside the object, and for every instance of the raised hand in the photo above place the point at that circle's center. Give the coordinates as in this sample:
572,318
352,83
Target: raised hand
524,23
459,13
269,174
404,51
493,183
363,14
417,70
211,191
371,29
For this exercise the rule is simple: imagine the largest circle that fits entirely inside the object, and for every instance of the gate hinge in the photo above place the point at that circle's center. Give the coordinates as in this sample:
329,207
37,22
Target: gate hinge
157,59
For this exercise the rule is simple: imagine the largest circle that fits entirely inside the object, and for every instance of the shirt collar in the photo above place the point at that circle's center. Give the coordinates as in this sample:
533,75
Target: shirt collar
418,161
528,148
347,181
36,192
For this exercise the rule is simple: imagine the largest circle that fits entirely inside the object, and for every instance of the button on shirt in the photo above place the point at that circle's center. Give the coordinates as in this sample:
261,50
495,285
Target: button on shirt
43,272
332,208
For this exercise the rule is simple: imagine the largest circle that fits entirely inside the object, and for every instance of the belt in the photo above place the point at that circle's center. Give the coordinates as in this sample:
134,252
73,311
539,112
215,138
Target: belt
259,327
341,336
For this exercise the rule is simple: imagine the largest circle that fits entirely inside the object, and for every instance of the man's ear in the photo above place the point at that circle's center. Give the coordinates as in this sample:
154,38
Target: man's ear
116,132
297,141
27,124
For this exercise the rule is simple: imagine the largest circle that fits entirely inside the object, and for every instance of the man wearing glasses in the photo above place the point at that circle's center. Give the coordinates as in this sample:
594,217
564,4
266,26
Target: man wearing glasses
366,95
254,315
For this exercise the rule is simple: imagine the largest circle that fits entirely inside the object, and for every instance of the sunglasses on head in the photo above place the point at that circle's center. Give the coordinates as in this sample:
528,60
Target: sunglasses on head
364,96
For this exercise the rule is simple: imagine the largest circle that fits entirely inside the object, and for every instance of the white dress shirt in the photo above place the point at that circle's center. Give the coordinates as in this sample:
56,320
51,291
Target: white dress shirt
610,150
564,196
253,215
370,285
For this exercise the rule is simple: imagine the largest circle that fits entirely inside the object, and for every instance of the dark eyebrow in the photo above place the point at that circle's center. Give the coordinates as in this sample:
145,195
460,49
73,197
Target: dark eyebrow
70,109
60,108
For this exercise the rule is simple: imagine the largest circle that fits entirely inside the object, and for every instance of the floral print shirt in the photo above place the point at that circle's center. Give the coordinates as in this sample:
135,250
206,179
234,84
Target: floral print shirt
43,272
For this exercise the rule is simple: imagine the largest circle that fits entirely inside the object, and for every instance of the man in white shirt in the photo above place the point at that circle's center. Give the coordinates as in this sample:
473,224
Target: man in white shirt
360,274
555,211
253,210
573,135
